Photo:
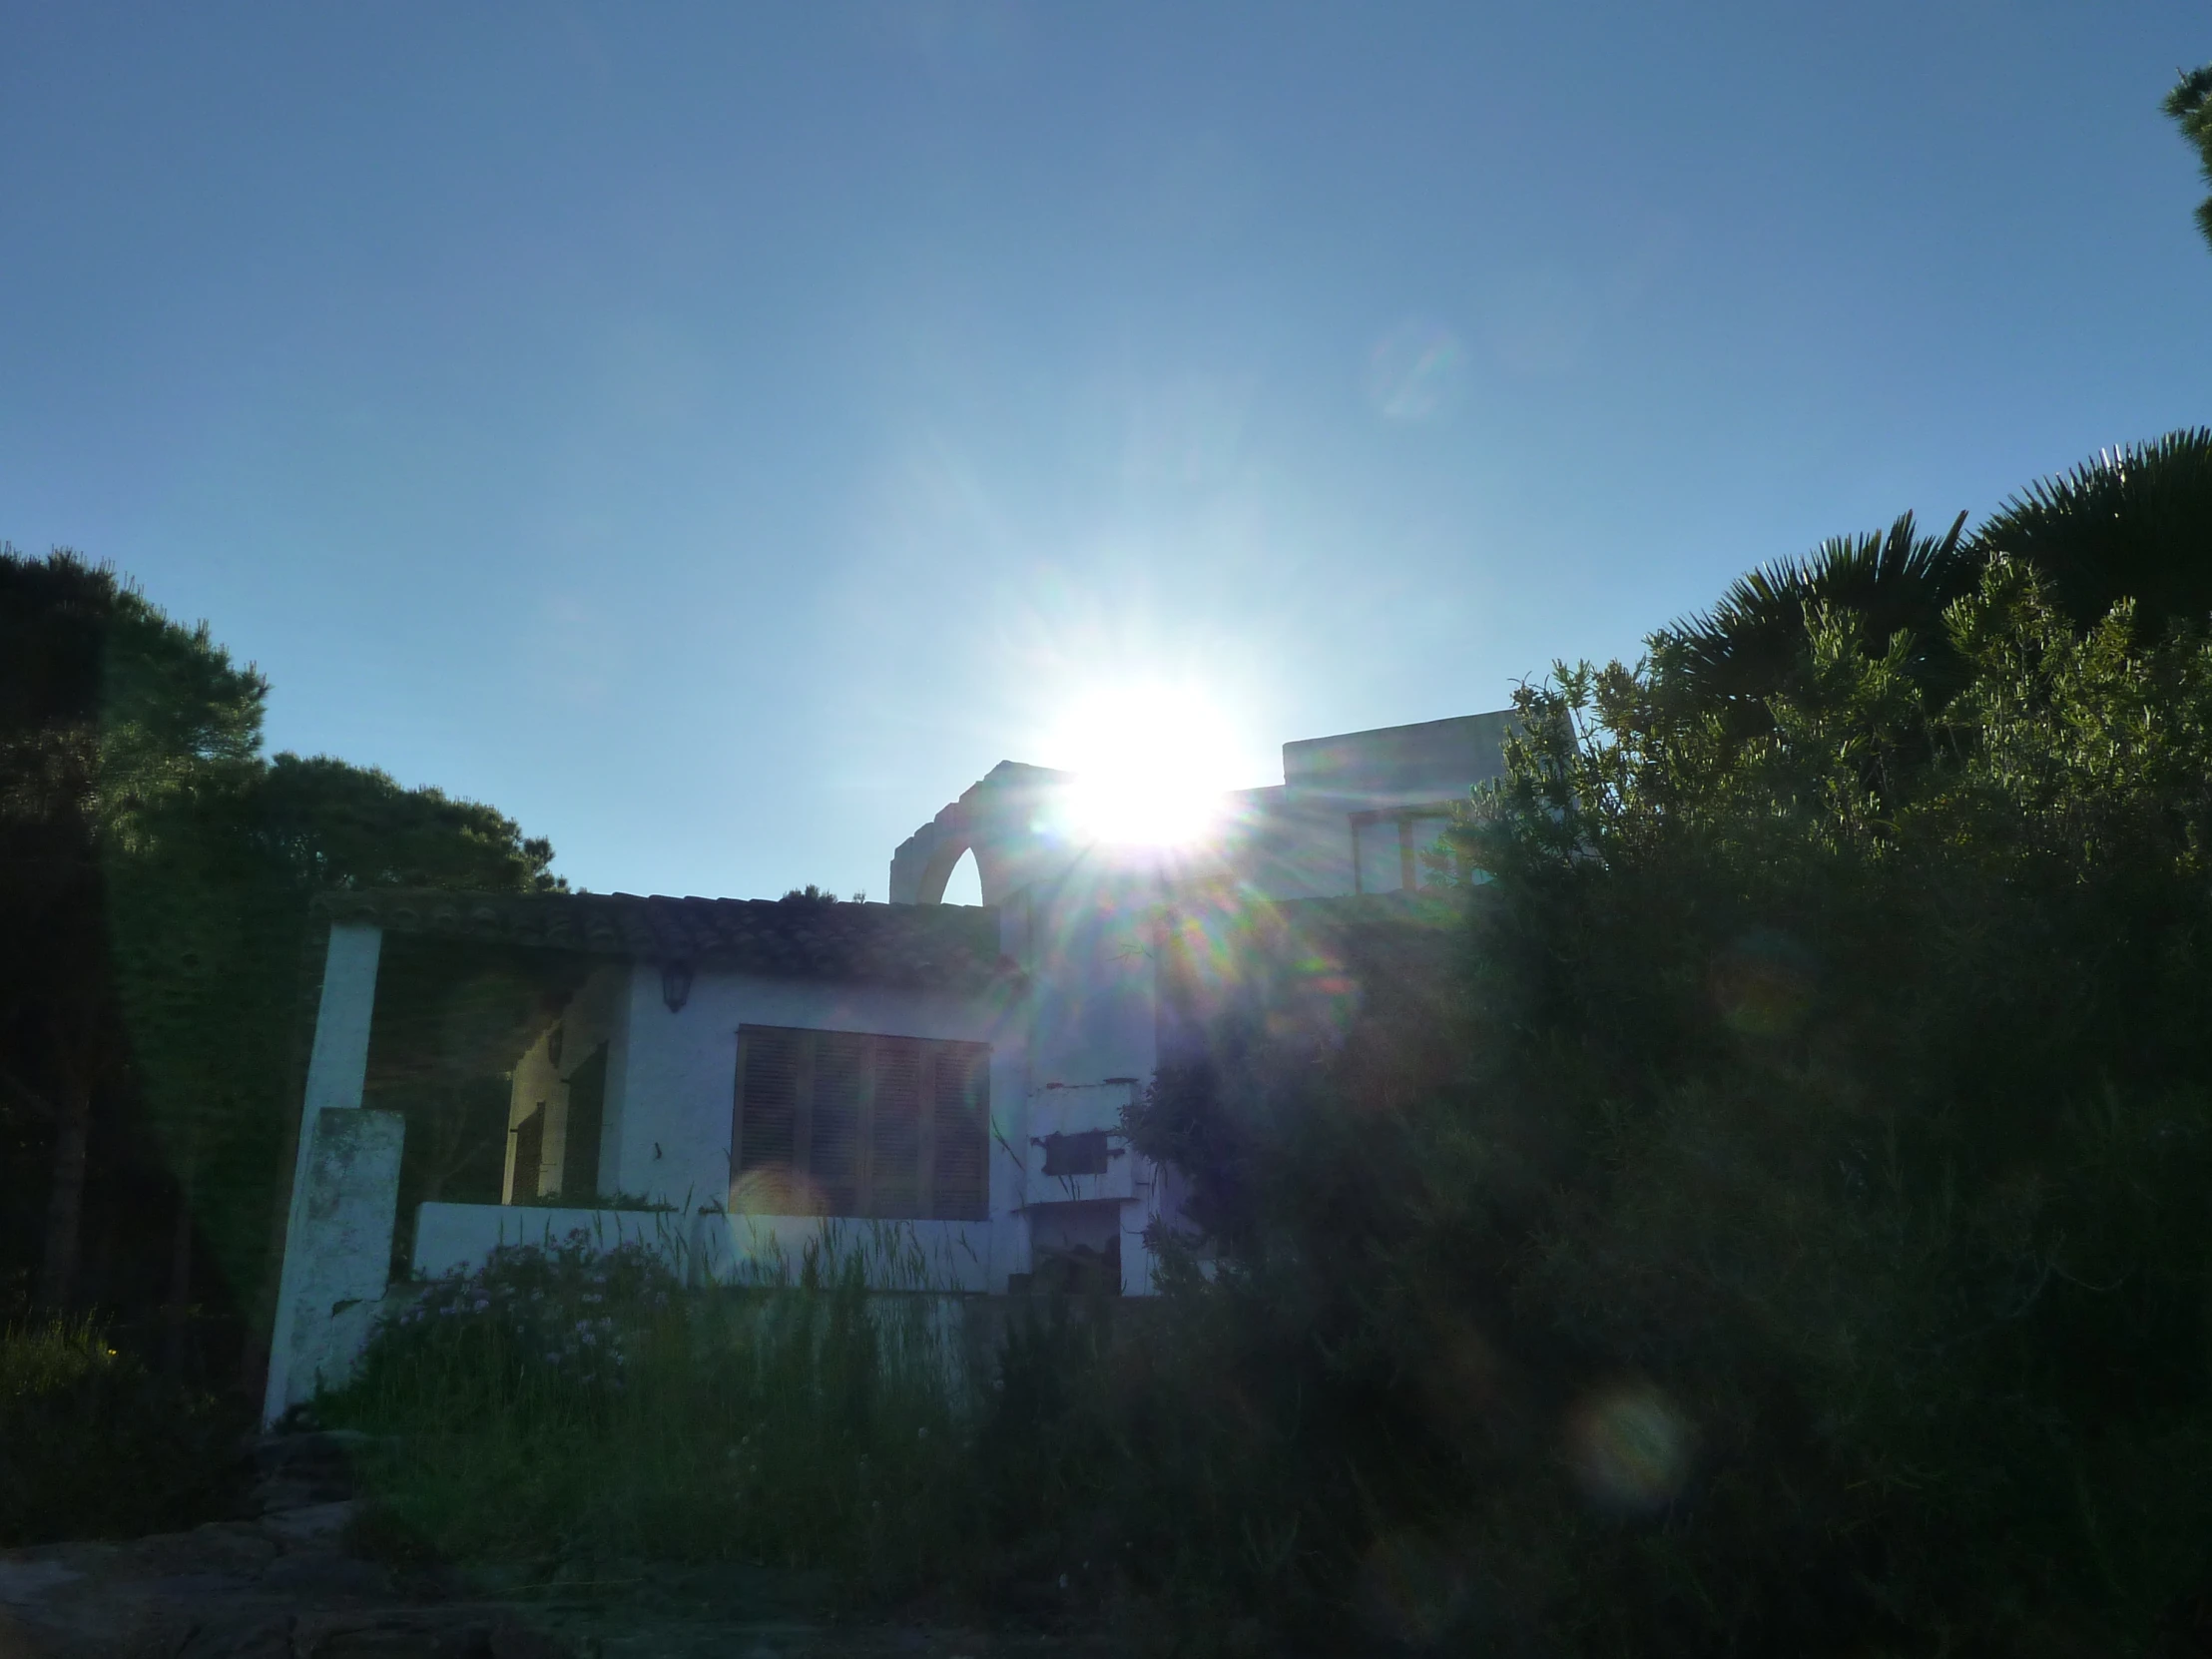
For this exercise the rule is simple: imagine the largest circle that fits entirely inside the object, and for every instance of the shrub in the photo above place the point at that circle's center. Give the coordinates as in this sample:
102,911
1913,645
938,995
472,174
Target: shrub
565,1321
94,1445
1797,1245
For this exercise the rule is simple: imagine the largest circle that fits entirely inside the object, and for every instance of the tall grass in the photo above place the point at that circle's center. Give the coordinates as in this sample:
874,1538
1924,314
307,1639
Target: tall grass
94,1444
572,1411
580,1404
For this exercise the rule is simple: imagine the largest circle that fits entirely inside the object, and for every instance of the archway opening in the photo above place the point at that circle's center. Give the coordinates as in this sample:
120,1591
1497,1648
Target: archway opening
965,884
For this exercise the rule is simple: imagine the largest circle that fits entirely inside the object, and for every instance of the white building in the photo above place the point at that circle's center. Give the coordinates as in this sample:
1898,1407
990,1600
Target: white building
724,1079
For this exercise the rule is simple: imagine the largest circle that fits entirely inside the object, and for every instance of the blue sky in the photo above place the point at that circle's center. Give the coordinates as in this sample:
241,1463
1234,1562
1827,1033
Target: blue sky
716,435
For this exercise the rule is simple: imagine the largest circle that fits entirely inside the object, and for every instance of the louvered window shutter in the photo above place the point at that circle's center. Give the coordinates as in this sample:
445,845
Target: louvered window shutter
835,1160
767,1121
894,1153
960,1115
860,1125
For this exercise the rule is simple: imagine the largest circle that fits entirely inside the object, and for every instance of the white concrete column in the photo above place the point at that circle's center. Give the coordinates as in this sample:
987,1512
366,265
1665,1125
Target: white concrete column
337,1068
338,1064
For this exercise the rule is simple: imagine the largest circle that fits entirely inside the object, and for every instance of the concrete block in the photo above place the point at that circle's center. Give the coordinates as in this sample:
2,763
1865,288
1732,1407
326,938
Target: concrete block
340,1256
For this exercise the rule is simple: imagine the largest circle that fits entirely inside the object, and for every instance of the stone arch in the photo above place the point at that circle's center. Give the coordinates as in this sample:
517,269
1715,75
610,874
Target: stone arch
998,821
938,871
965,884
925,861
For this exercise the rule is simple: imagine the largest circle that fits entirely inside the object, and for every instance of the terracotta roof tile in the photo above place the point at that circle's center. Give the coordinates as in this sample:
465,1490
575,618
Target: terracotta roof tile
949,946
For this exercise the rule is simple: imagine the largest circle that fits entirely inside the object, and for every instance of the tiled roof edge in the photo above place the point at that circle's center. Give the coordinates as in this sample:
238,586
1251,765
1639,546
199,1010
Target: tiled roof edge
911,944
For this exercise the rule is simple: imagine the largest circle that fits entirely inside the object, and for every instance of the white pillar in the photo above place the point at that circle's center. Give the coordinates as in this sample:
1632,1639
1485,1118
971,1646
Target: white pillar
337,1068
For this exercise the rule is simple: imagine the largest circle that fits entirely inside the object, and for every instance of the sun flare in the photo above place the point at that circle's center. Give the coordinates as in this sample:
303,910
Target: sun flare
1151,764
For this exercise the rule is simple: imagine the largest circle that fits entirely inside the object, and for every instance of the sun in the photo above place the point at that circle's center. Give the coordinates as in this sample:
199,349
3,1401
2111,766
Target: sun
1151,762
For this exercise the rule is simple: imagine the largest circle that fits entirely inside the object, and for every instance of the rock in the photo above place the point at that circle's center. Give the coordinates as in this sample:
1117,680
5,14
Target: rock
238,1590
308,1523
325,1575
272,1453
510,1640
29,1581
401,1633
254,1635
297,1471
285,1492
229,1548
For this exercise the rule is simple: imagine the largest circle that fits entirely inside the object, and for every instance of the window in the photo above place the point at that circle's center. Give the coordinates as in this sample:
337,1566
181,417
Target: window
862,1125
1380,867
1085,1153
1429,860
1398,851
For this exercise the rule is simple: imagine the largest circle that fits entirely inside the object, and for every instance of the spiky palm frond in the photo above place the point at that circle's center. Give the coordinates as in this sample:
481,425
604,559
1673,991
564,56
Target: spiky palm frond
2190,105
2133,523
1753,644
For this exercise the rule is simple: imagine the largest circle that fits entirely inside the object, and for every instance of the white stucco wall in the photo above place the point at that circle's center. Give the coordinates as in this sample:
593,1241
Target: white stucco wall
1075,1109
1094,974
679,1089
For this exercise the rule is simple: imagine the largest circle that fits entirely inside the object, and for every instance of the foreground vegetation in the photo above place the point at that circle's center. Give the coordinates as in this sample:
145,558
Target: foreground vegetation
157,956
94,1443
564,1405
1797,1244
571,1414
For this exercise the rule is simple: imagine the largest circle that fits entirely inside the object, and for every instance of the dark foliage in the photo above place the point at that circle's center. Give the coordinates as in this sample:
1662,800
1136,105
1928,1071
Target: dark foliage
811,894
158,960
1751,646
110,716
2134,523
2190,105
1792,1243
93,1444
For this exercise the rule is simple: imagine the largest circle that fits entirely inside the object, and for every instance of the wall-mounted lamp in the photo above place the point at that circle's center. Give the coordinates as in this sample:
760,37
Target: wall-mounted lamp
676,979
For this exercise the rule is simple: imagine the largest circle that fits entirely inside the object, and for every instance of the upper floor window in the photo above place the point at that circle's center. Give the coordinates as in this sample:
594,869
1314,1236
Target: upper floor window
846,1123
1396,852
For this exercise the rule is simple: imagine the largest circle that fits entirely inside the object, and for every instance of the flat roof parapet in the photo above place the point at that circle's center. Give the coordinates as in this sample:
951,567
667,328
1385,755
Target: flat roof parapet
1443,757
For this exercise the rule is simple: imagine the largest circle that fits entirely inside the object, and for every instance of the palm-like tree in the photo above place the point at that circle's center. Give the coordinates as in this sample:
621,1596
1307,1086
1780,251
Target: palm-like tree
2190,105
1753,644
2133,523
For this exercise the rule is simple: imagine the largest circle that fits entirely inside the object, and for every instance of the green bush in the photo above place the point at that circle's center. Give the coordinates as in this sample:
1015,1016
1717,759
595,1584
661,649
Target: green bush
1794,1240
93,1446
